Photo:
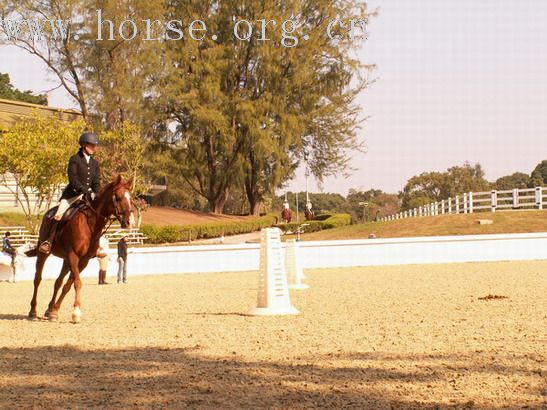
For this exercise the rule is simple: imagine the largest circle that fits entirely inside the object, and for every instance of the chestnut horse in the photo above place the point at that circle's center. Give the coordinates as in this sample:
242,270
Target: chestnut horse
309,214
286,215
78,240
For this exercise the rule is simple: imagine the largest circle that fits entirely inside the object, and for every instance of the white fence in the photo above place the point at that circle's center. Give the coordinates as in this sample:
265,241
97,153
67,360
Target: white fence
320,254
21,235
470,202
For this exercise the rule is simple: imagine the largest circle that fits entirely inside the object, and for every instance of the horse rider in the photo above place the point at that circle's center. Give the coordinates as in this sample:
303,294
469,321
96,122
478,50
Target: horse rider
7,248
83,181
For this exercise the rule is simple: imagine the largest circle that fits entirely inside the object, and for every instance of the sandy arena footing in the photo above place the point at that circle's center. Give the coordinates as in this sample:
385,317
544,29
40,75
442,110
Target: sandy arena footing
379,337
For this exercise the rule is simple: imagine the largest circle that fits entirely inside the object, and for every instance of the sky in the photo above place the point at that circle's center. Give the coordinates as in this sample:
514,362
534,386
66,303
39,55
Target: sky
457,80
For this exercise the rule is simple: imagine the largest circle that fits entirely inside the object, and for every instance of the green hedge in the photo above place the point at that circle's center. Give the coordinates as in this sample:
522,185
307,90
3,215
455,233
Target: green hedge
174,233
331,221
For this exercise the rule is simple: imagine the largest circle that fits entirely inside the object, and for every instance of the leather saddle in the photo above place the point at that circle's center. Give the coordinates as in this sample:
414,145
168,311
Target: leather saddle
69,214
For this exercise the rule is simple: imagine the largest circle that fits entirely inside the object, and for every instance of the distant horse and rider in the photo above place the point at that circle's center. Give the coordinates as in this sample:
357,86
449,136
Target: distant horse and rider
308,212
286,213
12,260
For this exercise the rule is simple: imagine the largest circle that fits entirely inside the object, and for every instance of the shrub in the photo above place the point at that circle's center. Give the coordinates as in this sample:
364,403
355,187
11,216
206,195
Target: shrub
333,221
175,233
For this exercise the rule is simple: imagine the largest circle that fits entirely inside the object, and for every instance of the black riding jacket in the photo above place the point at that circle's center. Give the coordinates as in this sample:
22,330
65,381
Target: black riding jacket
82,176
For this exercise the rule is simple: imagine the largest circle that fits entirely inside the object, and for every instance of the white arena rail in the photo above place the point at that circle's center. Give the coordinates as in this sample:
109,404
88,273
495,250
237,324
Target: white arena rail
320,254
471,202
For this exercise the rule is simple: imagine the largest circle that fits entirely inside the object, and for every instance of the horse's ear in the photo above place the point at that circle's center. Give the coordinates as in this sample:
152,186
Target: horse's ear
118,180
129,183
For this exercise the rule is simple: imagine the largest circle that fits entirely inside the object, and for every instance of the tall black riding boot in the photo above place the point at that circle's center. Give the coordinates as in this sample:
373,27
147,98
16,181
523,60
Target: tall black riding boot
45,247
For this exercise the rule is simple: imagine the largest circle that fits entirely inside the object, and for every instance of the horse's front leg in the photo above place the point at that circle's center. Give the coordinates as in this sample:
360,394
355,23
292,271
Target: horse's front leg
40,261
76,266
79,266
51,311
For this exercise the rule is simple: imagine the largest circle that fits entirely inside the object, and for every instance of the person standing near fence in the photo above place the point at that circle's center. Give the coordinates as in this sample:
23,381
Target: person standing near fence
122,259
102,255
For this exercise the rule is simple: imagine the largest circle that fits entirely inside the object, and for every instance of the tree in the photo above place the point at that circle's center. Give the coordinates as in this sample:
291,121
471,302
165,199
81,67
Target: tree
249,111
65,58
121,73
465,178
539,175
109,79
9,92
379,204
435,186
35,151
423,189
516,180
122,152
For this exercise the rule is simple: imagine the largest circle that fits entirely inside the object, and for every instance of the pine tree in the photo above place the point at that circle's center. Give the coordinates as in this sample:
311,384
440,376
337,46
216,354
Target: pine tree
249,111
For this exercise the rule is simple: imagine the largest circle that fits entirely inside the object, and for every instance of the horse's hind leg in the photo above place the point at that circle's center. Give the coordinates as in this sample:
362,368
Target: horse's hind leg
40,261
54,309
51,312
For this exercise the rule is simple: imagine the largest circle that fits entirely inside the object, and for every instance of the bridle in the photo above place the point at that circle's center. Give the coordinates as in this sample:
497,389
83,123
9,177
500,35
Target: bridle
118,214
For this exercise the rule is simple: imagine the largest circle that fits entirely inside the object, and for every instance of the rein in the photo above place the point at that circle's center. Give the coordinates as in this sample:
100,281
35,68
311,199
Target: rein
109,219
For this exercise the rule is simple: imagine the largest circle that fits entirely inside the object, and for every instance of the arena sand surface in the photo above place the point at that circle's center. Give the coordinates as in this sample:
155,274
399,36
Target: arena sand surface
376,337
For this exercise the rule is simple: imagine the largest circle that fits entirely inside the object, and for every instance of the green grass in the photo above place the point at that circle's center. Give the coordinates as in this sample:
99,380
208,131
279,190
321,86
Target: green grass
462,224
12,219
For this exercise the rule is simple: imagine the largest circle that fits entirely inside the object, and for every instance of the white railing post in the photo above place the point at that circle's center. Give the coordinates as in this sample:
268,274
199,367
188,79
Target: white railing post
464,203
515,198
442,207
470,207
457,204
539,199
420,211
449,205
494,200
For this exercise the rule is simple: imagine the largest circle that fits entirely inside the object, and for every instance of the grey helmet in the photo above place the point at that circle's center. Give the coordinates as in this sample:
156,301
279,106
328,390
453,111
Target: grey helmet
89,138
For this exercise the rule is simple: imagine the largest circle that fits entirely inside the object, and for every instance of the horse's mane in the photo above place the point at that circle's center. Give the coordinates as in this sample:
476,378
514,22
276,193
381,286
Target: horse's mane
112,185
106,188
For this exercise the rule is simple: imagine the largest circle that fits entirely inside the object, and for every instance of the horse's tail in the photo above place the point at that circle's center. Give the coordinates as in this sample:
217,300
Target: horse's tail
32,252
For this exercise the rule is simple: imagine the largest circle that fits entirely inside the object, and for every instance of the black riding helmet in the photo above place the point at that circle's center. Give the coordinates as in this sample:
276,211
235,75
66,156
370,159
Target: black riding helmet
89,138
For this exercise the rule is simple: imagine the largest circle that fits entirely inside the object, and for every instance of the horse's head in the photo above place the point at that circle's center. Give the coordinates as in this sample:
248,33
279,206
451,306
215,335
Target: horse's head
119,192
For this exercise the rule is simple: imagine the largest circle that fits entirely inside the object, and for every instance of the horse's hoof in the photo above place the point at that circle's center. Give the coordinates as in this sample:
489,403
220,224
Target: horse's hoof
32,316
76,315
51,316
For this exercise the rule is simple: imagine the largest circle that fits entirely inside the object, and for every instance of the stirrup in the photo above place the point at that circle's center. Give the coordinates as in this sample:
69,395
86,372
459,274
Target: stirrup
45,247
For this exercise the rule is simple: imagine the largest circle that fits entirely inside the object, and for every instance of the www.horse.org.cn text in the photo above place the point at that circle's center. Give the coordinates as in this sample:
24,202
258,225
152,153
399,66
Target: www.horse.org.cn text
290,32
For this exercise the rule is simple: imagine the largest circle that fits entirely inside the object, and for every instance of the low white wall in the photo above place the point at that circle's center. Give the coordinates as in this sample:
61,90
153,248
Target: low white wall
320,254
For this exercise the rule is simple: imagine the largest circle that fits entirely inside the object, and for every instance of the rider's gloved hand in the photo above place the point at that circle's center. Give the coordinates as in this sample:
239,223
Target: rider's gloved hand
90,195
